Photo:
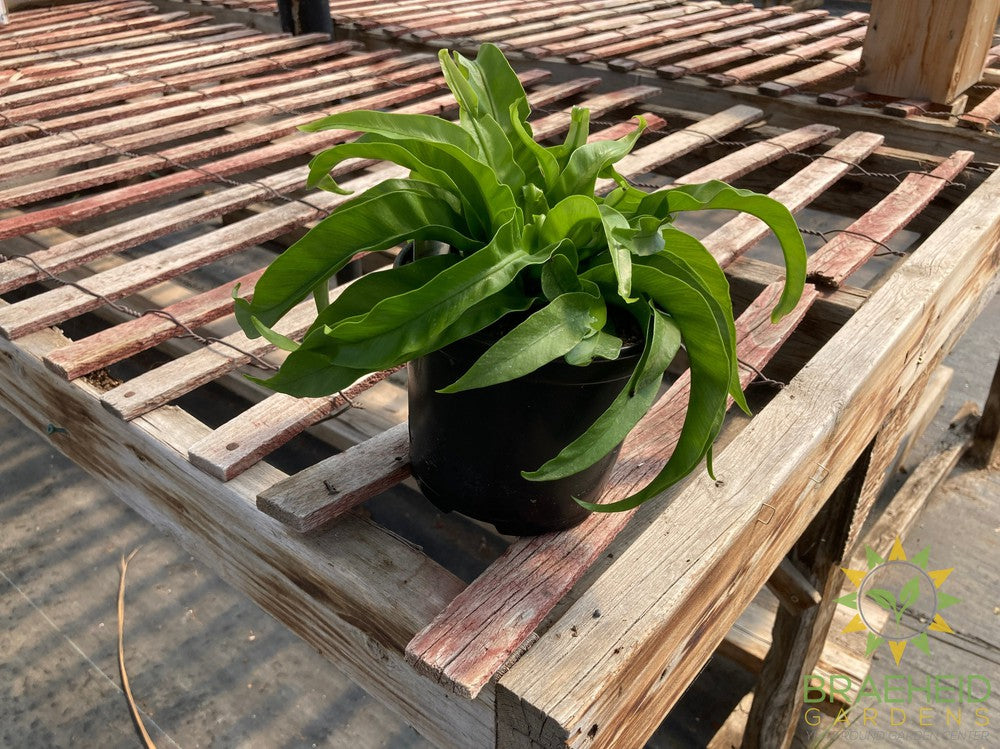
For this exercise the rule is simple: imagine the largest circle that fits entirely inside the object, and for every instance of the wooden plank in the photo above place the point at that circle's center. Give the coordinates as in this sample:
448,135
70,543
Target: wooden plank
764,45
814,74
78,250
684,141
175,378
746,160
114,344
887,446
319,495
124,196
901,514
246,439
925,50
755,70
59,304
794,591
985,450
644,37
505,604
631,36
740,27
556,18
850,249
797,639
984,115
665,607
171,30
739,234
355,593
207,147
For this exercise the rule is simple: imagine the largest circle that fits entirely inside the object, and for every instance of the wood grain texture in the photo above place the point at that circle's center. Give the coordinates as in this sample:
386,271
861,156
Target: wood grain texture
740,27
475,634
851,248
684,141
766,45
798,637
315,497
738,235
752,71
356,593
985,450
664,609
114,344
843,64
246,439
754,156
925,50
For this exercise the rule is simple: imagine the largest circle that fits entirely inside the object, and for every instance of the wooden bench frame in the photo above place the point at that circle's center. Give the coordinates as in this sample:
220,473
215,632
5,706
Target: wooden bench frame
636,630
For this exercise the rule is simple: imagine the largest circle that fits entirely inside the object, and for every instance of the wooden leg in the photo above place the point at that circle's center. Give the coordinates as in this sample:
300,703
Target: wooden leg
985,450
798,637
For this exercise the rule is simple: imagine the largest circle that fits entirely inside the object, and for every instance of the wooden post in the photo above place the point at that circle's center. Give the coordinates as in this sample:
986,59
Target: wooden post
305,16
798,637
927,50
985,450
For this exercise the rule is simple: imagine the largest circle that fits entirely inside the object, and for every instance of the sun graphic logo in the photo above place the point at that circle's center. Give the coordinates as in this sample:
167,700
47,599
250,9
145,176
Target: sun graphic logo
898,601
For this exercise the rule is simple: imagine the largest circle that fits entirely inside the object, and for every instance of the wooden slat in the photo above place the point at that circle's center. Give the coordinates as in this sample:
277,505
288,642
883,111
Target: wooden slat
59,304
505,604
739,28
667,599
984,115
317,496
246,439
172,183
765,45
175,378
682,142
114,344
736,236
741,162
755,70
644,37
184,28
512,36
849,250
73,252
617,31
356,594
823,71
400,71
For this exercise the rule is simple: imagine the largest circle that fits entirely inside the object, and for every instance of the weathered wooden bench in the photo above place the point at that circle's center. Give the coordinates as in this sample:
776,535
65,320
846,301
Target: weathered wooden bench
142,158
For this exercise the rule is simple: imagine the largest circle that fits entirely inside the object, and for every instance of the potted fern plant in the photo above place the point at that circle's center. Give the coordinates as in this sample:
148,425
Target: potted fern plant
522,285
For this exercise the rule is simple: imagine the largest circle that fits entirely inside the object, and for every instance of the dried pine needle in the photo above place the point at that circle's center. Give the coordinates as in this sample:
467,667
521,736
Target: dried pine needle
147,741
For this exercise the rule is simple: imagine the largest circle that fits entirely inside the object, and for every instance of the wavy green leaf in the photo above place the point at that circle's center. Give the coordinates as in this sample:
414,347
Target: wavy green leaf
718,195
587,162
706,349
397,125
375,221
409,325
543,337
601,345
488,202
662,341
309,372
687,258
357,299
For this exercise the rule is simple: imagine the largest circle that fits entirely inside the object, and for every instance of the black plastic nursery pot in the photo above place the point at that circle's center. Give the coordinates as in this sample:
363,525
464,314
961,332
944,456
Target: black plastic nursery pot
468,448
